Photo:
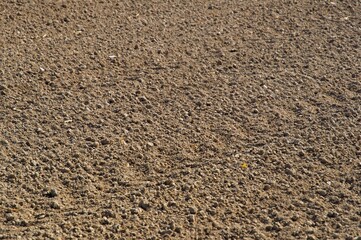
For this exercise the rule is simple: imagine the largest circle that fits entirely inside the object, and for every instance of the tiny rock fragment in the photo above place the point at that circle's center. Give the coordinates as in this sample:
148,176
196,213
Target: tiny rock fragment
135,211
191,218
22,223
90,139
104,221
192,210
169,182
332,214
268,228
143,99
52,193
310,237
178,229
40,131
144,204
55,205
4,142
94,144
255,111
289,171
165,232
105,141
9,217
108,214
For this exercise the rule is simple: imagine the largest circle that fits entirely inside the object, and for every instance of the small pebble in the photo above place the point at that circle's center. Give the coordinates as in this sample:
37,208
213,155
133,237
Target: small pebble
255,111
269,228
332,214
108,214
169,182
116,228
178,229
321,192
290,171
172,204
9,217
165,232
334,200
104,141
94,144
301,153
54,205
4,142
277,227
192,210
104,221
354,218
311,237
191,218
144,204
22,223
143,99
134,211
134,218
90,139
52,193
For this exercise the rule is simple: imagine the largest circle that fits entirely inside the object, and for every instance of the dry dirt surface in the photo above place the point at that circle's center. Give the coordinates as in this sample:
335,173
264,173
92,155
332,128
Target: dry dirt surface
180,119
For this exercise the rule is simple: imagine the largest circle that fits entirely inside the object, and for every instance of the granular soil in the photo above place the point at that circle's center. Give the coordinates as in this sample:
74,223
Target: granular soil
180,119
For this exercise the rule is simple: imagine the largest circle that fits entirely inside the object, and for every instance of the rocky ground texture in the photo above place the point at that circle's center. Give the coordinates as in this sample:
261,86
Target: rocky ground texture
180,119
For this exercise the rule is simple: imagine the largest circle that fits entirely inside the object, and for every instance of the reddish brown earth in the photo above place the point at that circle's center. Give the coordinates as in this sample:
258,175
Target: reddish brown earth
180,119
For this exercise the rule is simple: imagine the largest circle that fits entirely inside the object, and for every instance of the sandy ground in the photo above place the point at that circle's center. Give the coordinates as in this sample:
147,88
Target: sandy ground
180,119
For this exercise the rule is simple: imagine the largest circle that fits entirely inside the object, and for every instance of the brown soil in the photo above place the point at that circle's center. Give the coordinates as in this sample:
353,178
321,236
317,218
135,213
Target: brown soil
180,119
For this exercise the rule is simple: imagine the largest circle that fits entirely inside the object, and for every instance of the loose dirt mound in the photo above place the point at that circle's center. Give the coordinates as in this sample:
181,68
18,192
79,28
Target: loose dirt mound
180,119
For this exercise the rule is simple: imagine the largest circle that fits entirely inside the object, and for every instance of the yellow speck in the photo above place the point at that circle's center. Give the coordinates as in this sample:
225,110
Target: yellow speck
244,165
